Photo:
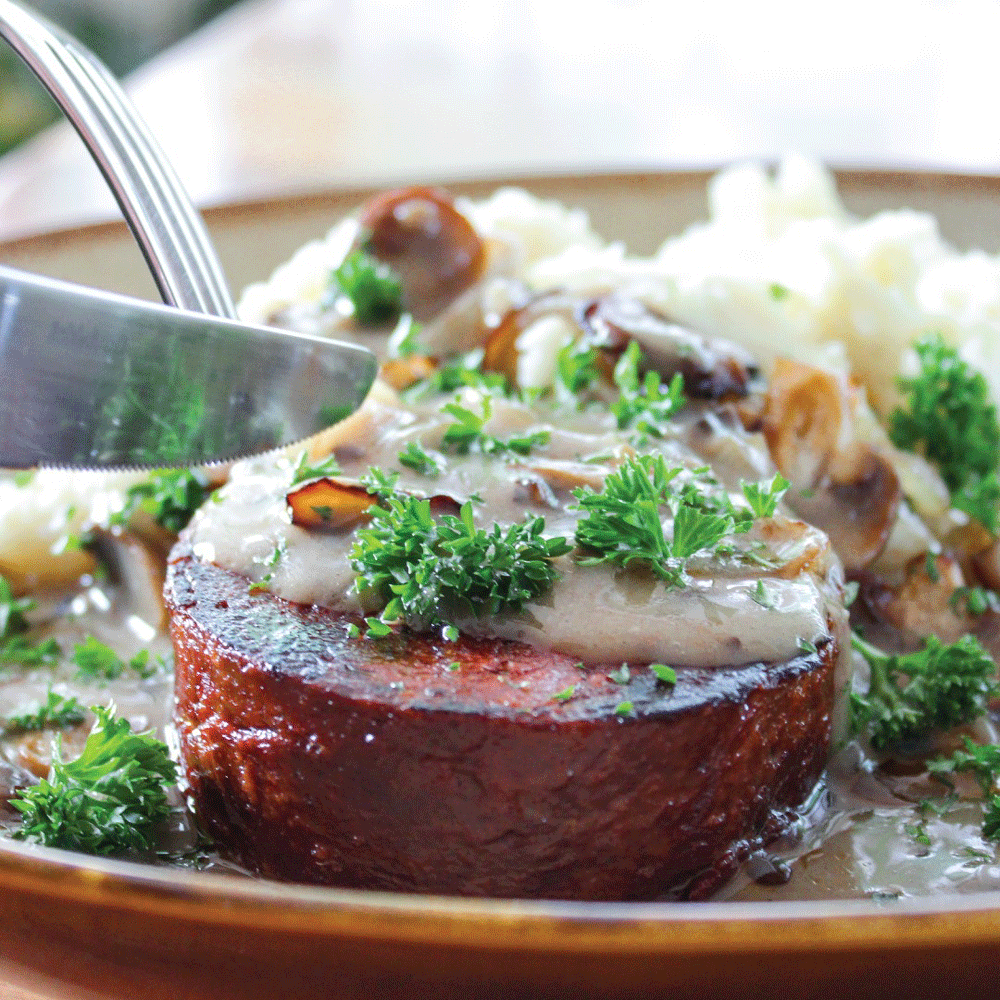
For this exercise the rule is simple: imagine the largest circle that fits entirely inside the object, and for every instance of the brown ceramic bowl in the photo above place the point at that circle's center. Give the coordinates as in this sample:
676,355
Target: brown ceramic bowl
80,927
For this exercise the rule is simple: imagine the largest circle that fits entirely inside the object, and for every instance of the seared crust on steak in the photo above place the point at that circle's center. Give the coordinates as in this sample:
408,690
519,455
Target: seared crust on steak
314,757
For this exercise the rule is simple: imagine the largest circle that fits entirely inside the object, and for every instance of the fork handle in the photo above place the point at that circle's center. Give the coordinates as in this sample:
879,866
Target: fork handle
169,230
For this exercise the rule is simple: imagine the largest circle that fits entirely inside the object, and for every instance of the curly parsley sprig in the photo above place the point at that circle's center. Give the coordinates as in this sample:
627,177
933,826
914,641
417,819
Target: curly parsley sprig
427,569
911,695
950,419
623,523
106,801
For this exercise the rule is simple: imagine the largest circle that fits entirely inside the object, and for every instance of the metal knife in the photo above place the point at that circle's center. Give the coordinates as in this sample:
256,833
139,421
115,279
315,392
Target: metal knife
94,380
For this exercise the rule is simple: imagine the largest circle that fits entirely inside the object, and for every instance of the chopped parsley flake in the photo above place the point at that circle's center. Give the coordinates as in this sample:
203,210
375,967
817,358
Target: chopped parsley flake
763,500
466,433
762,596
303,470
15,647
663,673
99,662
170,497
565,694
56,712
373,288
415,456
976,600
644,405
624,708
622,675
576,370
461,374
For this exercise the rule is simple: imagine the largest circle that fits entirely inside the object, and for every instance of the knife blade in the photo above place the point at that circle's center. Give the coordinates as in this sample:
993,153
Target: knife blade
91,379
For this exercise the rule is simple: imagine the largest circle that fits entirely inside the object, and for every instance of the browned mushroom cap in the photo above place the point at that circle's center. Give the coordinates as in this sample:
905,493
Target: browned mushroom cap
985,564
711,368
858,512
500,351
326,505
433,248
921,604
401,373
850,490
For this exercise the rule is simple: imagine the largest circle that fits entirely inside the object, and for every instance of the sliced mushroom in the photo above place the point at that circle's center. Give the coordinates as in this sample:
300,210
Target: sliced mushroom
711,368
326,505
138,567
986,565
857,511
841,485
401,373
922,603
431,246
13,779
34,751
500,353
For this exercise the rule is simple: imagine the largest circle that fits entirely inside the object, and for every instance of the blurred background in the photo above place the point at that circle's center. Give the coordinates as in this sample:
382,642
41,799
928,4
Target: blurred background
265,96
124,33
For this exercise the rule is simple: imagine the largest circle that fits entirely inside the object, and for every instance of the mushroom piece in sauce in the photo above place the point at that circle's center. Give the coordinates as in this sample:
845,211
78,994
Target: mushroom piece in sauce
431,246
841,485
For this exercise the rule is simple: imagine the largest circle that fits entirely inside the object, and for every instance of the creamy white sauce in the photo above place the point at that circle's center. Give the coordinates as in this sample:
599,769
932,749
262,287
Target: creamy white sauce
721,618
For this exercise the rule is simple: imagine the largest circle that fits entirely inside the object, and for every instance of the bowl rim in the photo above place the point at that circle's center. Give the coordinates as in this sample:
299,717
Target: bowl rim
674,928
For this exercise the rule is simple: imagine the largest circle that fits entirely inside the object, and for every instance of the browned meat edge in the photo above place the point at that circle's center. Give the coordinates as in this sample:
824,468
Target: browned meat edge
318,758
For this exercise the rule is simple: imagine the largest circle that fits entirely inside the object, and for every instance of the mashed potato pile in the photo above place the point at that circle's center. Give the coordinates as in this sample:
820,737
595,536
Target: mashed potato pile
780,266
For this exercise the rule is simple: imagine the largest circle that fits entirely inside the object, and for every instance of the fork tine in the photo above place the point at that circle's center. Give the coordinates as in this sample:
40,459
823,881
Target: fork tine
179,206
169,231
186,232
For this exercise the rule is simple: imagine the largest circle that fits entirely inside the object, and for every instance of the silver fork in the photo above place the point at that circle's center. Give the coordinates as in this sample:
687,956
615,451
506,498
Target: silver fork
169,230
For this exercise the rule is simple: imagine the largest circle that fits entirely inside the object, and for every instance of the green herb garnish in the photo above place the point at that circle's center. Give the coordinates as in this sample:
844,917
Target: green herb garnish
373,288
663,673
949,418
107,800
763,500
15,647
977,600
911,695
427,463
97,661
304,470
576,370
644,404
983,761
427,570
466,433
169,496
56,712
463,373
622,524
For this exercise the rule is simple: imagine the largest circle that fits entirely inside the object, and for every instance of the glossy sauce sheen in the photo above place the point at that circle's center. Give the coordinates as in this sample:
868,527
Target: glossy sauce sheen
723,624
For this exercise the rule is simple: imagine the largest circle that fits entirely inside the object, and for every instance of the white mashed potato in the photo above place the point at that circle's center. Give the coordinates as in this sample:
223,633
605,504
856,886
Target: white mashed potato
779,266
